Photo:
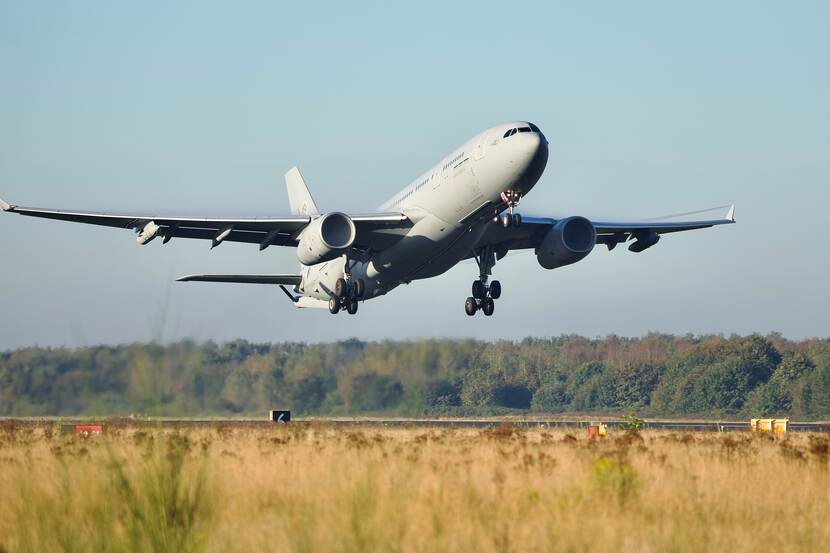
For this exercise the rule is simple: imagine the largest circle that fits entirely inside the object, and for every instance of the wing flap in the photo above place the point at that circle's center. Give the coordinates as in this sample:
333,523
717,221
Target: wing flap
284,279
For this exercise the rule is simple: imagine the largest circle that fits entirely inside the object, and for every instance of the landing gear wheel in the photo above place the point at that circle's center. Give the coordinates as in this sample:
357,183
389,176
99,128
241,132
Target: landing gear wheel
495,289
359,288
517,220
506,220
488,306
334,306
352,307
479,290
470,306
341,288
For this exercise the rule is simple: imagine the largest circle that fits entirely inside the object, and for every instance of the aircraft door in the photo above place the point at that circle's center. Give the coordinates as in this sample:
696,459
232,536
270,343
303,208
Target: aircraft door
481,146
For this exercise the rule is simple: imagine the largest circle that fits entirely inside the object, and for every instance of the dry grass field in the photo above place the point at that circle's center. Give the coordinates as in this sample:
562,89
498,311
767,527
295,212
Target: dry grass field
317,488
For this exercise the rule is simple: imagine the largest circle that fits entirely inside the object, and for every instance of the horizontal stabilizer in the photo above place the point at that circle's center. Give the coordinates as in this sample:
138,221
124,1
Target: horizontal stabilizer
291,280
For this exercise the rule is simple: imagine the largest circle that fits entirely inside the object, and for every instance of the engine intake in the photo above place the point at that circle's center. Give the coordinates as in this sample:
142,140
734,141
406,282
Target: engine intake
569,241
326,238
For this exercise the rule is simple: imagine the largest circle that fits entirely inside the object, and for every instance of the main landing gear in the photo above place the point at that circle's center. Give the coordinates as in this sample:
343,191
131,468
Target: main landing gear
346,295
484,294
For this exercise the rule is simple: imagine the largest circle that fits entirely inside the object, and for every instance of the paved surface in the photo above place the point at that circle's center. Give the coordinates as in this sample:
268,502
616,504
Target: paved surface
689,426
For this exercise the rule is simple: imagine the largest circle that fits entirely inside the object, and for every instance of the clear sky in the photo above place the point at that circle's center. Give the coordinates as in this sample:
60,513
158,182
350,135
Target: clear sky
650,108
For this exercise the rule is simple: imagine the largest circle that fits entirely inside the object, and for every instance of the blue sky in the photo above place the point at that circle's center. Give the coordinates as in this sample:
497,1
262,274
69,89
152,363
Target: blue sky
650,108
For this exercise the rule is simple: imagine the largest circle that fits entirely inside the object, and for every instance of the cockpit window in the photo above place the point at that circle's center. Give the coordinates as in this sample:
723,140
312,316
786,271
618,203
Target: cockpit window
531,128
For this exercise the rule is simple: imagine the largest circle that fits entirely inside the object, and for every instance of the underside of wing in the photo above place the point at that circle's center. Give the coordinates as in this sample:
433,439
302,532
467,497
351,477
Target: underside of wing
533,230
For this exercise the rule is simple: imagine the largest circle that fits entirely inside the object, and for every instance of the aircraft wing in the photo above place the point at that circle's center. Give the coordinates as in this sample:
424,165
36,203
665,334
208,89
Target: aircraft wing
284,279
533,230
265,231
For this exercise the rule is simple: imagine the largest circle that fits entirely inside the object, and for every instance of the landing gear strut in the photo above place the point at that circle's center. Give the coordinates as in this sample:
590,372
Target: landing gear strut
483,294
347,292
510,219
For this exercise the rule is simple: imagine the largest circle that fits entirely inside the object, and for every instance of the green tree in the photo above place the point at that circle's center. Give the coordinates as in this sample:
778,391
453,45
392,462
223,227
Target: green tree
634,385
373,392
820,392
552,397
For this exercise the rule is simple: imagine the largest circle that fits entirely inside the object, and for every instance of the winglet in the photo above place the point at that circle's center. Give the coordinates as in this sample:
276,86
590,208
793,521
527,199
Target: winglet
5,206
731,214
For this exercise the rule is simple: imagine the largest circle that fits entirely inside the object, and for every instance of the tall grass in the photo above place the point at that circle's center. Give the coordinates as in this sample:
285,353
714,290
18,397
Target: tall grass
74,494
320,488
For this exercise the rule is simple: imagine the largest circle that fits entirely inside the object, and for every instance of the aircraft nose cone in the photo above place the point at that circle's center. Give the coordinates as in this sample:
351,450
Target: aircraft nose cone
534,150
532,160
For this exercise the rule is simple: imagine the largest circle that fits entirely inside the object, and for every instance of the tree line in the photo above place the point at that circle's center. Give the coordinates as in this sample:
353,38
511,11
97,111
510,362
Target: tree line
656,375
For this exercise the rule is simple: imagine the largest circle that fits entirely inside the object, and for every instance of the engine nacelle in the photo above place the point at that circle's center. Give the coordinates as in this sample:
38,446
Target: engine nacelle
569,241
645,240
326,238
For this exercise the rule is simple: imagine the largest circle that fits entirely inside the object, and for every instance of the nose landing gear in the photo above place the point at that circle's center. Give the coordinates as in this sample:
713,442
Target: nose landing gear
510,219
484,294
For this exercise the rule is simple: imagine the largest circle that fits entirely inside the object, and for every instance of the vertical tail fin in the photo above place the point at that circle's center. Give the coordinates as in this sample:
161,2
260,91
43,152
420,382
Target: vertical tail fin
299,198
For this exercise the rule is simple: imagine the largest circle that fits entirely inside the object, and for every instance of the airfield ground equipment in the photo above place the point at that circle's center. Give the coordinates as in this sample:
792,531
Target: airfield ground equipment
776,426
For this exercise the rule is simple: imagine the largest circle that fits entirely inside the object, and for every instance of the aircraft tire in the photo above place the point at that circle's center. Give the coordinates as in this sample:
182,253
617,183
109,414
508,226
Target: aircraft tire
495,289
488,306
359,288
479,290
334,306
470,306
341,288
506,220
517,220
352,307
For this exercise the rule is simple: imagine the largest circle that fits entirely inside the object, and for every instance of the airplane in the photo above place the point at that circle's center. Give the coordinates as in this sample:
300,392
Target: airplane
461,208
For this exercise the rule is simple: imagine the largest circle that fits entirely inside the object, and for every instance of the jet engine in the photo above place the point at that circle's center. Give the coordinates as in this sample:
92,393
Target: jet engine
326,238
569,241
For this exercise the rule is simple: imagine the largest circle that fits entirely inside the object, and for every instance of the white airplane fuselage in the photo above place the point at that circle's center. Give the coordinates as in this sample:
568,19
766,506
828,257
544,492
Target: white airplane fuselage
450,205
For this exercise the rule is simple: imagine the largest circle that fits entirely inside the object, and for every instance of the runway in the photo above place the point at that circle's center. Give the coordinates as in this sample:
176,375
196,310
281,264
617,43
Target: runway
564,423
